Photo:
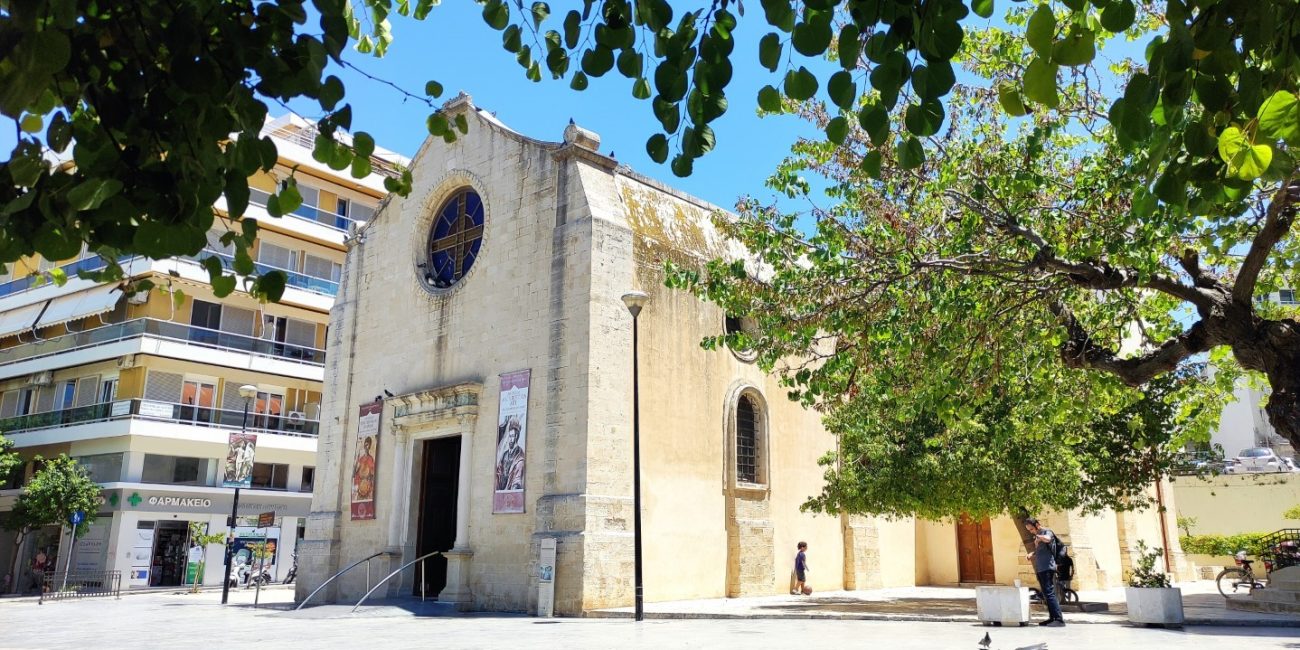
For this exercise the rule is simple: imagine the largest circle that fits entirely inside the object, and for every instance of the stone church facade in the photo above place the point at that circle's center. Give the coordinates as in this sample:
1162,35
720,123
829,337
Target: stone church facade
479,402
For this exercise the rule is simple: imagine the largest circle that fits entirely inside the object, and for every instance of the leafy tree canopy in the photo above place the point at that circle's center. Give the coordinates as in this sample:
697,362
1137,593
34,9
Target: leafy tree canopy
60,488
9,459
1013,454
1052,200
1124,219
160,105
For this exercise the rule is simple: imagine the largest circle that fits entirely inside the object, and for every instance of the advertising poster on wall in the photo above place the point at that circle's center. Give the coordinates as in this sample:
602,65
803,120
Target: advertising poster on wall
512,441
91,548
364,478
239,460
141,555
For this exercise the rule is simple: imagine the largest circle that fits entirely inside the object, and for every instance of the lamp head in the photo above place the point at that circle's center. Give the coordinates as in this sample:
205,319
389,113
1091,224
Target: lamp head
248,391
635,300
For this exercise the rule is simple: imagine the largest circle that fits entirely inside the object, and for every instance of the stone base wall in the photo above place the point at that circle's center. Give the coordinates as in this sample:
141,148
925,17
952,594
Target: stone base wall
861,553
751,566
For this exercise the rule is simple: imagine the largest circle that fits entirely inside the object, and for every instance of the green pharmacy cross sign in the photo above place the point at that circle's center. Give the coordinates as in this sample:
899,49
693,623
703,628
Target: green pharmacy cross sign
135,499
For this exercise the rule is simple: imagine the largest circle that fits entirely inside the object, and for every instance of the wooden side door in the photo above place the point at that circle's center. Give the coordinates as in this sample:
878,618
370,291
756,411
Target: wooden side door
975,550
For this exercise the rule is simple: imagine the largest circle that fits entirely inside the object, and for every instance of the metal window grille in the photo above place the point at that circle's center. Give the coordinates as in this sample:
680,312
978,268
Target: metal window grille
746,441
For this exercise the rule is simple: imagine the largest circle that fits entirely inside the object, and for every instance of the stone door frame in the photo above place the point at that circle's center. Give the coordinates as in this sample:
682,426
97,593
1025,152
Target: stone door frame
434,413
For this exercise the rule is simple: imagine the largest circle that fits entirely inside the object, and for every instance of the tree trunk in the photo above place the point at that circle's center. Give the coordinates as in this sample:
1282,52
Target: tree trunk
1275,351
1284,404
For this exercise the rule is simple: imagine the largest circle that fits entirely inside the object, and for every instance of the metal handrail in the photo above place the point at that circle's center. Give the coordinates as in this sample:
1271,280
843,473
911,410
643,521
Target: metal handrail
389,576
366,559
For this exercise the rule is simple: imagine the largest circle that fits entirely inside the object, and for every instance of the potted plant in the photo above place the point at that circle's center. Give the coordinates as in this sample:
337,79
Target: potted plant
1151,598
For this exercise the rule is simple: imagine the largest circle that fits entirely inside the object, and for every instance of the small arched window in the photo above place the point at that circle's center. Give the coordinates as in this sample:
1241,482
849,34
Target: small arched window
748,436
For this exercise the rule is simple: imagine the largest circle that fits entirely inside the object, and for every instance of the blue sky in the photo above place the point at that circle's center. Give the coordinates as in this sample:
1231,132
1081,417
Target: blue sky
455,47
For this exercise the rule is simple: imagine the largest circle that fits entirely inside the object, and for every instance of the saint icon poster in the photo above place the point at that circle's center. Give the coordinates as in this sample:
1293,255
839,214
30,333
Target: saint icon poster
512,441
364,477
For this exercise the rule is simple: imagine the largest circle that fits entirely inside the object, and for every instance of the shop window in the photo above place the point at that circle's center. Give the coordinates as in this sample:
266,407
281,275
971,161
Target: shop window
308,479
175,470
102,468
270,476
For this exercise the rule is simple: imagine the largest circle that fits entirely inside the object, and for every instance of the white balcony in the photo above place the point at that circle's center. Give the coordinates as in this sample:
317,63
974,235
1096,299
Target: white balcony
164,339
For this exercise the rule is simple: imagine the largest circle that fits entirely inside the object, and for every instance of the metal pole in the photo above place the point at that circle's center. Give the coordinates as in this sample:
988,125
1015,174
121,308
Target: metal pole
261,566
636,474
72,546
230,536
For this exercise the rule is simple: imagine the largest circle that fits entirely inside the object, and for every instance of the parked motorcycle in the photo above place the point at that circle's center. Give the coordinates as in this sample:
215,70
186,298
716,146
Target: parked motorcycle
245,574
255,576
293,570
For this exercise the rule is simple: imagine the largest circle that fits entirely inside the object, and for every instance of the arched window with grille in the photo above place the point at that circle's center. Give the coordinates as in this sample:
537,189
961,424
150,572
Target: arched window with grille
749,438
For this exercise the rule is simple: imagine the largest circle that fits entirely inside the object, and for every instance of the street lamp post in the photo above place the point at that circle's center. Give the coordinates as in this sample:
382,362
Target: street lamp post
248,392
635,300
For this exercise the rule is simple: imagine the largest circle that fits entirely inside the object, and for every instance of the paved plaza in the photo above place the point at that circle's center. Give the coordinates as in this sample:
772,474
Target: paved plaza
175,620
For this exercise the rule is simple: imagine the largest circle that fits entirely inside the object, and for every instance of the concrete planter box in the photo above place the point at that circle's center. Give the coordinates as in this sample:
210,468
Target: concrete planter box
1002,605
1154,606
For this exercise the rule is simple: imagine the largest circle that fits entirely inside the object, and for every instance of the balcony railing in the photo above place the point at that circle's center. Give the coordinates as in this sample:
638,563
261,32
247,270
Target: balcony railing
292,278
167,330
305,211
203,416
92,263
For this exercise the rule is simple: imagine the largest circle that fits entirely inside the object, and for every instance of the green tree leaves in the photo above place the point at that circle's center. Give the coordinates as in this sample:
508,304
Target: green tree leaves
1041,30
1246,160
1279,117
1040,82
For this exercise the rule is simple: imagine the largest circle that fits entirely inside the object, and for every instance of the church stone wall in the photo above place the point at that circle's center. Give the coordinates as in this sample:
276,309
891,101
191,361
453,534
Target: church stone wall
567,233
696,524
512,311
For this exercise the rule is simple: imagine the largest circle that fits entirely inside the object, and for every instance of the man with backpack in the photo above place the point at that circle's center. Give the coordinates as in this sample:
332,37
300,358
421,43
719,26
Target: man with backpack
1046,545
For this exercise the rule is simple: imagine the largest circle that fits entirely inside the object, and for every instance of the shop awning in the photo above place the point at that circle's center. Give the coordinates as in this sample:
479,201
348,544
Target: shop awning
20,319
80,305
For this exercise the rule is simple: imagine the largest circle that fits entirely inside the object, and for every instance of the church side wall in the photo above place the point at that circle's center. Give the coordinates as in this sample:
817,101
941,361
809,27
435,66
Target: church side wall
703,537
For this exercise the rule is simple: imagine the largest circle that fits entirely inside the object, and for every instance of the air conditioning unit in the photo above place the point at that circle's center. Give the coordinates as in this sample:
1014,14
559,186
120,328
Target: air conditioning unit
42,378
297,417
125,362
138,298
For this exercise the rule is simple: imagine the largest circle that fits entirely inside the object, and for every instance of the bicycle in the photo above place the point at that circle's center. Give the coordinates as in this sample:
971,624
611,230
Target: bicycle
1242,576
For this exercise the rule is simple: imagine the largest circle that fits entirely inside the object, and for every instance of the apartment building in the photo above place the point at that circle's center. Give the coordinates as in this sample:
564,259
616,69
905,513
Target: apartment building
144,390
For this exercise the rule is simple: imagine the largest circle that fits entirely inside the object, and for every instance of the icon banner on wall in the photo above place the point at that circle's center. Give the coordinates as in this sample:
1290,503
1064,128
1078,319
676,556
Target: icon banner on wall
239,460
512,443
364,477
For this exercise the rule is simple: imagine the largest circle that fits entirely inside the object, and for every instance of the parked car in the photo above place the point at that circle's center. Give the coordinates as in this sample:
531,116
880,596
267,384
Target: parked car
1198,463
1258,459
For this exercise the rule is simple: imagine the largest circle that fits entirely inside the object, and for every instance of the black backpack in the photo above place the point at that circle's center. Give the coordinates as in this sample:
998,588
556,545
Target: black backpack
1060,550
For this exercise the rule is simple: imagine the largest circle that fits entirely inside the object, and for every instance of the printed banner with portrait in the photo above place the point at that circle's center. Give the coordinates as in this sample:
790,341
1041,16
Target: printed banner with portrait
512,441
239,460
364,478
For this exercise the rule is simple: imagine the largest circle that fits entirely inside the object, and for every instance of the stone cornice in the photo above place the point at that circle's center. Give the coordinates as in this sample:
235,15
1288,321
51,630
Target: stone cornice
455,404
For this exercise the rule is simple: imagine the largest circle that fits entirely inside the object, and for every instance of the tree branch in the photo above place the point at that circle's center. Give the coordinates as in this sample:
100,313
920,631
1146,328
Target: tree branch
1081,352
1091,275
1281,212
